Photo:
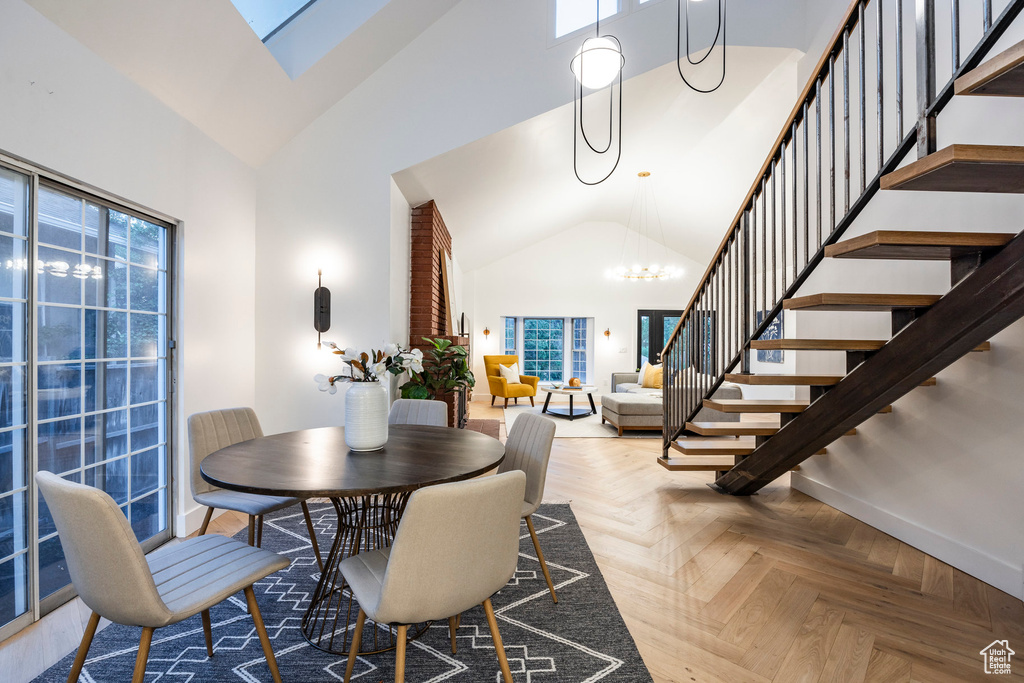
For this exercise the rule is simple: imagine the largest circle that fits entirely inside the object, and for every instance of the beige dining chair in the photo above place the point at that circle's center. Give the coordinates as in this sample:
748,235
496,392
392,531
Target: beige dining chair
116,581
216,429
456,546
407,411
528,448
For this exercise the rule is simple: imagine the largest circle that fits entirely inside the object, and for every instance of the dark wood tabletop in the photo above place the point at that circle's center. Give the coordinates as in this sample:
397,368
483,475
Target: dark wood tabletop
317,463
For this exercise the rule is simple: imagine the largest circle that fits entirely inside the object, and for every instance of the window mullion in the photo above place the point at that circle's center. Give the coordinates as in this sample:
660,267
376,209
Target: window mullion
33,396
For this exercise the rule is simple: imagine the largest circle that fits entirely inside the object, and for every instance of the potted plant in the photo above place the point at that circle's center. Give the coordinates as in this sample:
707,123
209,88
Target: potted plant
444,370
366,404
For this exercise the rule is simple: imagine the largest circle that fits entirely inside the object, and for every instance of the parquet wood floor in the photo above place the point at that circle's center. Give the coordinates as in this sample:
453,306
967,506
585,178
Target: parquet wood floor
776,587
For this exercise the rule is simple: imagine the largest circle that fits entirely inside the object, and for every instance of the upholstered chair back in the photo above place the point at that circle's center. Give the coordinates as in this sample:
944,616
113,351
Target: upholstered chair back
528,449
104,559
212,431
491,364
407,411
456,546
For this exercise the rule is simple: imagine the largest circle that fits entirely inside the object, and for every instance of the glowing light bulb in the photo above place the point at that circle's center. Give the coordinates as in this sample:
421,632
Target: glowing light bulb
597,62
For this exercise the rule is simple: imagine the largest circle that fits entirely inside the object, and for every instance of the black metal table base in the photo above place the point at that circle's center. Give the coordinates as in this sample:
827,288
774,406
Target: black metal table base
364,523
572,413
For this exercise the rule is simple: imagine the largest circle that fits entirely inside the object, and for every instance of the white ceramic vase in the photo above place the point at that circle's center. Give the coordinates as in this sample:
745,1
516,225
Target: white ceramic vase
366,416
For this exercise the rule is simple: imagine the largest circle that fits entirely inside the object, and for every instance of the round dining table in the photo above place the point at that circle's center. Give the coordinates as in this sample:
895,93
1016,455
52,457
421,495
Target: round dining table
368,490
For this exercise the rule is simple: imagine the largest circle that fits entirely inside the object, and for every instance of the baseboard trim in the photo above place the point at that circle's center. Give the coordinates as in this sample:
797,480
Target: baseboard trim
190,522
970,560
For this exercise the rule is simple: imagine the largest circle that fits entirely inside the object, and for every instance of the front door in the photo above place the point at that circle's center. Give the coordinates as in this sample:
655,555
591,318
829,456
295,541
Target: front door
653,328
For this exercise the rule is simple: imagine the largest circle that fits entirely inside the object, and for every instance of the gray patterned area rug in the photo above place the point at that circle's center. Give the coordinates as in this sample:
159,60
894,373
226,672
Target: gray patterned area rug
582,639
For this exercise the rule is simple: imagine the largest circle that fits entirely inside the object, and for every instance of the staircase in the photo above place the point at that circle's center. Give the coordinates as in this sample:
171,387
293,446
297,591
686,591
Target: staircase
743,290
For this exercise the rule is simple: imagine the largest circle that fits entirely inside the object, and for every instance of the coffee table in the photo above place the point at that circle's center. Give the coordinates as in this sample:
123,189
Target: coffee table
572,413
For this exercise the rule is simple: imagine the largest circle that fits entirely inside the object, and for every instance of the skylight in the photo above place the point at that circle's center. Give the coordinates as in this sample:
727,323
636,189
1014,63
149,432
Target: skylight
572,15
267,16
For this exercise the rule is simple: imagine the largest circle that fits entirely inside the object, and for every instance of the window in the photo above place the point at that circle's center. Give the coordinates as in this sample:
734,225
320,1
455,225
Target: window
573,15
266,17
543,347
579,349
510,337
653,328
99,406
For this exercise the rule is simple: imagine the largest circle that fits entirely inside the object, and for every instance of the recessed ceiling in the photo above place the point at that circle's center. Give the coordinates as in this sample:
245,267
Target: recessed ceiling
516,187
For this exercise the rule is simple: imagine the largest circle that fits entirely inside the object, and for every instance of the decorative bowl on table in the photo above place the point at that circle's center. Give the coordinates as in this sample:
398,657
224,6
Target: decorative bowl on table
556,385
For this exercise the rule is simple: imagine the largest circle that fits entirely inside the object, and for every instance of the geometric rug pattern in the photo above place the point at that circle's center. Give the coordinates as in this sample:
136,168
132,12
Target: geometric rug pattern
582,639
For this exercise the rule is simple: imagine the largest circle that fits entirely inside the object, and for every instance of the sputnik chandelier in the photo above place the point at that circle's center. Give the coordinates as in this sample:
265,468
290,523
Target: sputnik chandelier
597,64
643,202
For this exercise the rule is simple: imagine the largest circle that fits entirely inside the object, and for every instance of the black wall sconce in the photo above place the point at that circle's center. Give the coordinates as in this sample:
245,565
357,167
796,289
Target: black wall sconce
321,308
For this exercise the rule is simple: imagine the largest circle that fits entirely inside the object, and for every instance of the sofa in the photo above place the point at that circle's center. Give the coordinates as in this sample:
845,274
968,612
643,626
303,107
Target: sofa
631,406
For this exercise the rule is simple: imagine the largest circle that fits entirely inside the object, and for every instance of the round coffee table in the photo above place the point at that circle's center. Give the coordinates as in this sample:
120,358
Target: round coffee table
368,490
572,413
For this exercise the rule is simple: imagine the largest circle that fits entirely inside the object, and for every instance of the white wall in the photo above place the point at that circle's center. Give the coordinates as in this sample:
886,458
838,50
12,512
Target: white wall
325,198
63,108
563,276
942,472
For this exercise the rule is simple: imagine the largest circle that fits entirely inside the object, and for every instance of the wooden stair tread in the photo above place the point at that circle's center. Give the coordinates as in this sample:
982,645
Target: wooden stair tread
735,405
1001,76
859,302
914,245
707,463
830,345
714,446
963,168
784,380
733,428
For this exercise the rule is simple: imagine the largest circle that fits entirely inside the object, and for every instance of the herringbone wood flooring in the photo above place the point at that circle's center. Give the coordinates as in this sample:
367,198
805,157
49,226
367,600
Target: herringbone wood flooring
776,587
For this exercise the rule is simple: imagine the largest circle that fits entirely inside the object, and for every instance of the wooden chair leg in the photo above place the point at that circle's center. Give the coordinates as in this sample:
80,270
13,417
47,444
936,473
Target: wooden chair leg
532,404
252,529
517,400
259,531
206,521
261,631
353,650
453,625
83,648
140,659
492,399
458,620
506,403
207,631
312,535
499,648
540,556
402,636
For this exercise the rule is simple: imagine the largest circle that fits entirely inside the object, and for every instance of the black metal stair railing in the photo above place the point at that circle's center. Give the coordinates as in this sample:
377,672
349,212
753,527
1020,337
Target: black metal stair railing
850,126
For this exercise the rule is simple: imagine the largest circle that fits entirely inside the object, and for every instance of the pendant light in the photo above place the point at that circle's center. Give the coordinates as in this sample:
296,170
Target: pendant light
643,268
680,31
596,65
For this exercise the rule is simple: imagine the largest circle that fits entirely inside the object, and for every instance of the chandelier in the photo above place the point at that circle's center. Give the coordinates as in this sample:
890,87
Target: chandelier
643,202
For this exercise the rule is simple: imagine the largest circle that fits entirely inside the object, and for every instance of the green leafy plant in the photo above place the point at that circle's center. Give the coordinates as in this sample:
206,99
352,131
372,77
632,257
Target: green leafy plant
445,370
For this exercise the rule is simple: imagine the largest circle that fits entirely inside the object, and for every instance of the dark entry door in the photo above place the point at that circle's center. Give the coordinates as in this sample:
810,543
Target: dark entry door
653,328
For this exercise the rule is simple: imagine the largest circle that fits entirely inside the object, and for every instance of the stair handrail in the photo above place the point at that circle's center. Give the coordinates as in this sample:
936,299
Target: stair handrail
735,286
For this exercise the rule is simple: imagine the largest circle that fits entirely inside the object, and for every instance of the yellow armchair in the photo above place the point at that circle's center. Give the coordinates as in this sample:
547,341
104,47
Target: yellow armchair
500,388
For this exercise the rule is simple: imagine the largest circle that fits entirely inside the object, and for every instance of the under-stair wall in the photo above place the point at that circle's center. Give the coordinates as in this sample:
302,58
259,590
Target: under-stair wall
944,471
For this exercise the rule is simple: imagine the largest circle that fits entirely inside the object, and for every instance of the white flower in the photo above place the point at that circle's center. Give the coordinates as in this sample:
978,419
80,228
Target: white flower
323,382
333,389
357,374
330,344
417,354
379,369
416,366
391,349
350,354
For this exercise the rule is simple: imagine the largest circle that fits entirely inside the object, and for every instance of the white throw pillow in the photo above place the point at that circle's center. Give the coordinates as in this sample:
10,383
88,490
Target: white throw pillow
643,371
511,374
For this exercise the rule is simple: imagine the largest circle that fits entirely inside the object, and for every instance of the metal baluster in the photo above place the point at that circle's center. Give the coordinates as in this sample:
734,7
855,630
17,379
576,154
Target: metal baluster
764,245
846,121
807,190
954,29
925,76
832,144
863,83
775,246
986,14
782,211
819,208
899,71
745,367
880,82
796,220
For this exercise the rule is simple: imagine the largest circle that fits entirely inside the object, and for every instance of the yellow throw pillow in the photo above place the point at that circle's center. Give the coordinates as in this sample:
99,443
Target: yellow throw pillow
652,378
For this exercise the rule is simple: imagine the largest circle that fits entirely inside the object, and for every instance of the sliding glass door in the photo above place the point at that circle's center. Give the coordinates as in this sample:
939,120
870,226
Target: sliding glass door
84,344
